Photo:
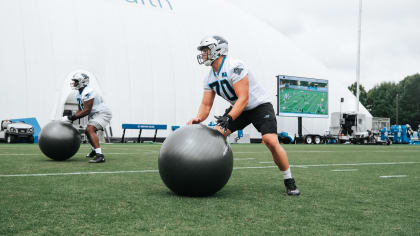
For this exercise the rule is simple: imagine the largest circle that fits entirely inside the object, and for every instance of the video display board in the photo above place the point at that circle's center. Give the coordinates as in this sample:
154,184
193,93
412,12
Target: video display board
300,96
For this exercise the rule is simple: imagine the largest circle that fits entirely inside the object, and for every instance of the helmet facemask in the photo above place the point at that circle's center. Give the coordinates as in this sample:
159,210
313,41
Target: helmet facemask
206,57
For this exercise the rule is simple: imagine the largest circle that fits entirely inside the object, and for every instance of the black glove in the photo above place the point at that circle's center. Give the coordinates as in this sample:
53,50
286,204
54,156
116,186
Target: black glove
223,121
72,118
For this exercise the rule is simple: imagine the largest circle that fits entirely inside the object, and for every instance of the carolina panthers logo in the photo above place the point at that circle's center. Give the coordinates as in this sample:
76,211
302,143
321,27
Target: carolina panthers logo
238,70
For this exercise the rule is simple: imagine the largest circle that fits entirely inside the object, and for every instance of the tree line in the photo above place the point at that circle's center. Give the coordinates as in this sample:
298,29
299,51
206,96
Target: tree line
398,101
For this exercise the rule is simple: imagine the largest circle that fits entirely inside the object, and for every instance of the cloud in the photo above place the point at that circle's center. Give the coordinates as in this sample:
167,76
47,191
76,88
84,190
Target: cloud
327,30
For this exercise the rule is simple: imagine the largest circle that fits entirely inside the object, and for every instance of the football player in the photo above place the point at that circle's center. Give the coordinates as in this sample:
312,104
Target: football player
91,104
232,80
418,132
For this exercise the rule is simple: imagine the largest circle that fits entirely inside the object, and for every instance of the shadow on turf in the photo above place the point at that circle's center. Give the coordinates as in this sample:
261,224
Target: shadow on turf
227,192
72,159
220,194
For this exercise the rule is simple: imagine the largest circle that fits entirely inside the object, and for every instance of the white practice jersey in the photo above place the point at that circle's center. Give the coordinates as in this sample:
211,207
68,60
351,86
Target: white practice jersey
230,72
87,94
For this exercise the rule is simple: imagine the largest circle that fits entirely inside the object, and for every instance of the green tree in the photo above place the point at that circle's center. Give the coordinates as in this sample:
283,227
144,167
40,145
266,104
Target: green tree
362,93
409,100
381,100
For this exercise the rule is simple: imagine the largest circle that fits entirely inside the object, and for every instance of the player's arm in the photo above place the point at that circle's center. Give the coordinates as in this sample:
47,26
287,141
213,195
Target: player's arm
87,108
78,108
242,92
205,107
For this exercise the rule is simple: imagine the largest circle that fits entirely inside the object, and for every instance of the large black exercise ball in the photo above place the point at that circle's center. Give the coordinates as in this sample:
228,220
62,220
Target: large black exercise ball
59,140
195,160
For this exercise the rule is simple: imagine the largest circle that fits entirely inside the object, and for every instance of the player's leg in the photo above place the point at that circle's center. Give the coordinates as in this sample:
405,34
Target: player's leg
92,136
265,122
281,160
92,153
98,122
277,151
91,132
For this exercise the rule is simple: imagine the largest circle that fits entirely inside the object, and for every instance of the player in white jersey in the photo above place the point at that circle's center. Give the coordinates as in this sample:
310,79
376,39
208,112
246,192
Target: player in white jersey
231,79
90,104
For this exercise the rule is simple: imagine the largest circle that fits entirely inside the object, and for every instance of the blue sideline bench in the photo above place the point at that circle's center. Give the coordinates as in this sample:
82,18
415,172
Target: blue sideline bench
142,127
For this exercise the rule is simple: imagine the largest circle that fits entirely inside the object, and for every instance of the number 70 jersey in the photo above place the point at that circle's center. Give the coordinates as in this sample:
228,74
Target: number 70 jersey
230,72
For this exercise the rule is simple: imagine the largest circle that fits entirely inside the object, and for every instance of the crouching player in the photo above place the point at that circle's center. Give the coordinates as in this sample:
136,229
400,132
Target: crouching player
91,104
231,79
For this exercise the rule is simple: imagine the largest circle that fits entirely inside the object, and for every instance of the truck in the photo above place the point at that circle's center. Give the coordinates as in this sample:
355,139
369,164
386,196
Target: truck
309,138
355,128
11,132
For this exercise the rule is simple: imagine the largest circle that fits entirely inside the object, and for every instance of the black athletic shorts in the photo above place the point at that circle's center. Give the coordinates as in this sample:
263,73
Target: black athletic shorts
262,117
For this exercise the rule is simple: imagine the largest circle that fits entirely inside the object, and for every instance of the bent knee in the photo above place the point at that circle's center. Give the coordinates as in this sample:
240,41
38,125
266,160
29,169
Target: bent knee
271,141
90,129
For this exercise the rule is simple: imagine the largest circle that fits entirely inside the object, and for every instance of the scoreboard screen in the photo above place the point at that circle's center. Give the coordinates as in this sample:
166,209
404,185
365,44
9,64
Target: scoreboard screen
300,96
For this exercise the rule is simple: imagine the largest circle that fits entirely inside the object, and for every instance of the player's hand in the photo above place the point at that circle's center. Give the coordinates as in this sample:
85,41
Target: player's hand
223,121
65,119
194,121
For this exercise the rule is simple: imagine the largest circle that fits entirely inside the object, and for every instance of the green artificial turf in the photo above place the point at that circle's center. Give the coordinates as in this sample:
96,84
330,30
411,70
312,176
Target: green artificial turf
107,199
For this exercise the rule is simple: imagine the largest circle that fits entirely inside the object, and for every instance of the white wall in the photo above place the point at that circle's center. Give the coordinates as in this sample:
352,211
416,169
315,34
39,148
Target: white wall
143,57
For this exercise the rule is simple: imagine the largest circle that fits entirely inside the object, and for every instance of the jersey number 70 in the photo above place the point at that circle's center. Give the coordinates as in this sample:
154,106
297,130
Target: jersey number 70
225,86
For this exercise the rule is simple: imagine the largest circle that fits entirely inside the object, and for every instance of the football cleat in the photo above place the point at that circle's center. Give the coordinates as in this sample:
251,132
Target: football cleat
292,190
91,154
99,158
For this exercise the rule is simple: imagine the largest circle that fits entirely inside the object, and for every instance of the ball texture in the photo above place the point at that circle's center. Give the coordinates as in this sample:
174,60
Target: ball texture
195,160
59,141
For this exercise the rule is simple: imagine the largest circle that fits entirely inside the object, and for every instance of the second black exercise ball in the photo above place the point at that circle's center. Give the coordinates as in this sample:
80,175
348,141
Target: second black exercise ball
59,140
195,160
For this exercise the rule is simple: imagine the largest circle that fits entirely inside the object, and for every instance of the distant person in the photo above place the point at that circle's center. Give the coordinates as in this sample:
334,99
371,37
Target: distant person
410,131
418,132
91,104
231,79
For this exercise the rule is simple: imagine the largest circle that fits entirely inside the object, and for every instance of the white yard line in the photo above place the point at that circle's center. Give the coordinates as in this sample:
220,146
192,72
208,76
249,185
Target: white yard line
243,159
83,173
39,154
236,168
251,152
418,150
332,151
346,170
311,151
393,176
351,151
157,151
116,172
350,164
20,154
121,153
254,167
